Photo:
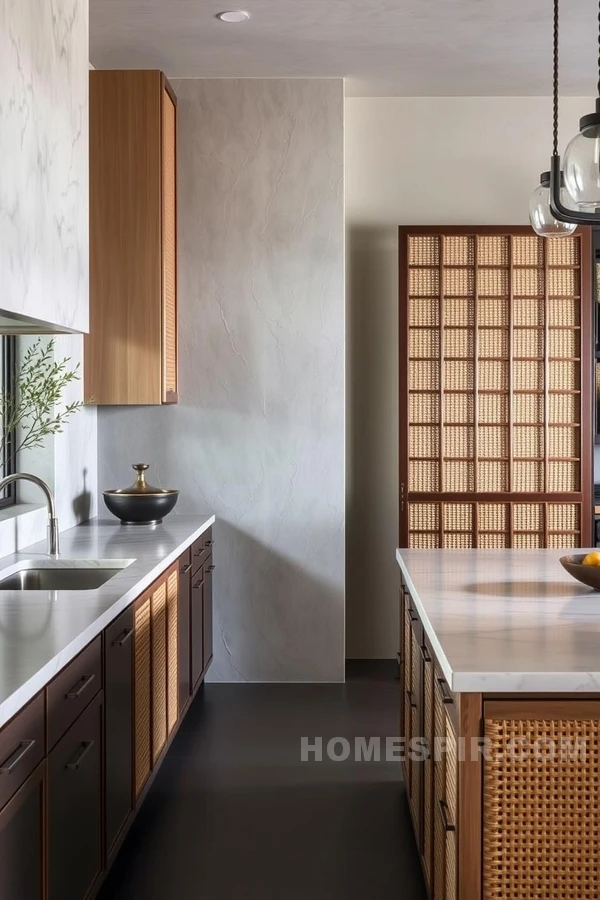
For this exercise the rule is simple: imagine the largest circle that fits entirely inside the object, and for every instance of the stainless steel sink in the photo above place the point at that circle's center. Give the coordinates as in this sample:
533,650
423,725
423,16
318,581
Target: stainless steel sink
60,574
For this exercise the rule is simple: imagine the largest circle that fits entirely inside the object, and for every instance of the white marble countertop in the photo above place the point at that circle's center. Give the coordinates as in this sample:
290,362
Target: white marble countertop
506,620
41,631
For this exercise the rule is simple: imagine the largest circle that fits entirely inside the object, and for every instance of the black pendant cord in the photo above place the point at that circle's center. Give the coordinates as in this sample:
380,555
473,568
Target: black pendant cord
599,48
555,80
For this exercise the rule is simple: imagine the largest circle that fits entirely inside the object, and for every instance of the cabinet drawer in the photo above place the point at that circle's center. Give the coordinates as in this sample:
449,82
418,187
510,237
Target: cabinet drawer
71,691
22,748
201,550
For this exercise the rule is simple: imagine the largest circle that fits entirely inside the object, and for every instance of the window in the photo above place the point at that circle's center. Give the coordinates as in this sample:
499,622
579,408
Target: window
7,381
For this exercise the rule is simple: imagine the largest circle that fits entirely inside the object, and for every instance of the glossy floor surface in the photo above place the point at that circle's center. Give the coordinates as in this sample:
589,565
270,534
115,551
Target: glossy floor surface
235,813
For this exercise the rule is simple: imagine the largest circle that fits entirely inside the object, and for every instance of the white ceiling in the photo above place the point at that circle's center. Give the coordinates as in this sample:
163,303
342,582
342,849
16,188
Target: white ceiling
383,47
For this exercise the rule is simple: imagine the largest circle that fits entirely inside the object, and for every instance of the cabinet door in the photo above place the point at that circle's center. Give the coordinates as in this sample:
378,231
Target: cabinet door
118,702
142,693
428,810
169,248
183,627
445,802
406,687
159,668
74,807
22,841
196,625
416,705
172,647
207,616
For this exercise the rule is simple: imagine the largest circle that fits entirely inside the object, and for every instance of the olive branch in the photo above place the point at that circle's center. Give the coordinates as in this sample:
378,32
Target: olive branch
30,412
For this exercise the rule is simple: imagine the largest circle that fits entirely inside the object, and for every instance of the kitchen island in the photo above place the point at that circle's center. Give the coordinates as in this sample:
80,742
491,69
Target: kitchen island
500,669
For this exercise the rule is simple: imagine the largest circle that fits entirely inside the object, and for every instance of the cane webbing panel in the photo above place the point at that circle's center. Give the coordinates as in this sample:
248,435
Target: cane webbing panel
142,698
415,767
540,834
451,798
172,670
494,380
428,770
159,669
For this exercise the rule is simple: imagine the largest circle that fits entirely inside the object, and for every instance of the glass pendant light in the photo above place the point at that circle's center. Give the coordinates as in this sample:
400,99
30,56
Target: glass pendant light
540,214
581,167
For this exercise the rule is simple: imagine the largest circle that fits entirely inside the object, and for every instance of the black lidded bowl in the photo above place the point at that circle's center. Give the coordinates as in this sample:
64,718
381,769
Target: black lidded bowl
141,503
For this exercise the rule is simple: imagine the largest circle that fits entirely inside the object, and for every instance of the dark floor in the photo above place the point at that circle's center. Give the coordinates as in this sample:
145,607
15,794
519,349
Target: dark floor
234,813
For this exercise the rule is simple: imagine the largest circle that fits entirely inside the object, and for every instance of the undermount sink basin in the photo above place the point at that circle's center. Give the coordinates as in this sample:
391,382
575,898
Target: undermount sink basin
60,574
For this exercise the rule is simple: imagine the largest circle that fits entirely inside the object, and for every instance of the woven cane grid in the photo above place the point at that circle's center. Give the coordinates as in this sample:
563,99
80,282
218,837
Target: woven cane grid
493,375
528,283
529,313
540,832
492,476
424,250
459,250
528,342
527,250
492,250
493,342
493,311
528,476
493,441
564,252
528,441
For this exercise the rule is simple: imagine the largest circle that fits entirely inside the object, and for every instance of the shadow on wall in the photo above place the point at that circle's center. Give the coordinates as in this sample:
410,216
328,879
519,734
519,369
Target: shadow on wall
82,503
291,630
372,442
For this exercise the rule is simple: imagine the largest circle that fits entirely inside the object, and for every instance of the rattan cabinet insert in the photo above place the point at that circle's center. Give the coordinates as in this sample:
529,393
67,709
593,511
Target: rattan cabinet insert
495,388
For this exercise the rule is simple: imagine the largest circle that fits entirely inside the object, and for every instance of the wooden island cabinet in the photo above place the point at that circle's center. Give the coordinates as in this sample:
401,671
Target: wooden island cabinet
77,761
504,800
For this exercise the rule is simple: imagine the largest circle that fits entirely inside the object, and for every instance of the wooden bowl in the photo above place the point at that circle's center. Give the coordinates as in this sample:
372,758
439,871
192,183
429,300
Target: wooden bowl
588,575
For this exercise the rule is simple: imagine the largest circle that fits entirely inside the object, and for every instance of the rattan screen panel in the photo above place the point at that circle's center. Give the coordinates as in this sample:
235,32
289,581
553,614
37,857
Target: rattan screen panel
552,798
494,384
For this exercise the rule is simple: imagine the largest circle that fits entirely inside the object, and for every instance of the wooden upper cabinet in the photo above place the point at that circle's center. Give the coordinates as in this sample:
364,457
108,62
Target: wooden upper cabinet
131,350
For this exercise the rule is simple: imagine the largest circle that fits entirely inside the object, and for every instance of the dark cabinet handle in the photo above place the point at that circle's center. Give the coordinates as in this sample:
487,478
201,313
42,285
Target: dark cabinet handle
199,551
11,763
412,615
84,682
211,568
185,569
443,811
444,691
197,585
209,543
122,639
84,749
425,654
411,700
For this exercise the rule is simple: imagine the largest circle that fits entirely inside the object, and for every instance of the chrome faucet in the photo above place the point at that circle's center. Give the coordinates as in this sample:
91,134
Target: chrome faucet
52,520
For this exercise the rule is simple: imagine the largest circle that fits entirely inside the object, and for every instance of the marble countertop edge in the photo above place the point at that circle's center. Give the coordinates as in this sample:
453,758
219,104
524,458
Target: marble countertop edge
14,696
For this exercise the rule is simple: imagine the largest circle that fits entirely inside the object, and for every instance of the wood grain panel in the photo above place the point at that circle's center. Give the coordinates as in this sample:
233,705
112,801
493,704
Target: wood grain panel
124,350
169,248
172,647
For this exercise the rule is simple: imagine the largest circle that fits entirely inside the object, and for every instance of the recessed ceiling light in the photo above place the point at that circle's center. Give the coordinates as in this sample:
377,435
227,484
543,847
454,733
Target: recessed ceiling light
233,15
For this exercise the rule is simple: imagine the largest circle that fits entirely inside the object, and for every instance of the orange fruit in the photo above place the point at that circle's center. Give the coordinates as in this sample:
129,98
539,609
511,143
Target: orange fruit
592,559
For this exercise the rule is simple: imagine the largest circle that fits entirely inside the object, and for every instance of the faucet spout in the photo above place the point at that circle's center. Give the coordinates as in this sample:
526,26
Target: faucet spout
53,543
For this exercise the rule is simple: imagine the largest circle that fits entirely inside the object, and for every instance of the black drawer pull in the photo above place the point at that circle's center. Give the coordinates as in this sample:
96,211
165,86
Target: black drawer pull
122,639
185,569
412,615
211,568
411,700
425,654
443,811
199,551
197,585
209,543
444,691
11,763
84,749
84,682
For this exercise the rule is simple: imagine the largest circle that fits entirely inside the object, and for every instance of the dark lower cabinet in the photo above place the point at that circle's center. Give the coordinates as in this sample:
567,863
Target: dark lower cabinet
207,620
22,841
196,625
118,723
183,628
75,806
